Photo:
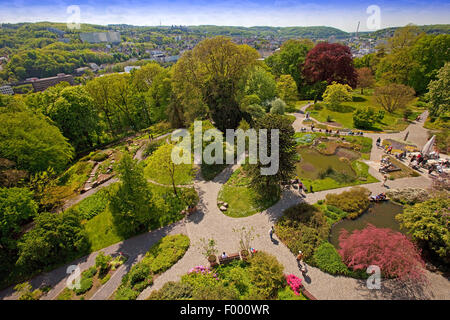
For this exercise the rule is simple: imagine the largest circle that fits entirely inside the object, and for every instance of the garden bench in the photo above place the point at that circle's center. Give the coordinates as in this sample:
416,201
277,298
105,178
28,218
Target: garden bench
231,257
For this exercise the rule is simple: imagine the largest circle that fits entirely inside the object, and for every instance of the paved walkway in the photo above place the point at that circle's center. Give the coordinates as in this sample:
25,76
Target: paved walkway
210,222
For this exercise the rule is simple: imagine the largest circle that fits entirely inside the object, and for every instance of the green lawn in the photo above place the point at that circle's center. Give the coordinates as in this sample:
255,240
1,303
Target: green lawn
391,122
184,173
329,183
243,201
102,233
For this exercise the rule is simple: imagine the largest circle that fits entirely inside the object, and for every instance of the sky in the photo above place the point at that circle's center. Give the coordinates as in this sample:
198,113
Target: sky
342,14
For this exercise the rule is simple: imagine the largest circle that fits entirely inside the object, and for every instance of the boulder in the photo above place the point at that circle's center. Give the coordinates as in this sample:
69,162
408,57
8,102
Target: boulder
223,208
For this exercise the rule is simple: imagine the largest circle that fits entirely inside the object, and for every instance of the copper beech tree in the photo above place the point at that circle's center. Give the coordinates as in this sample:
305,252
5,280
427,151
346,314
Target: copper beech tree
330,62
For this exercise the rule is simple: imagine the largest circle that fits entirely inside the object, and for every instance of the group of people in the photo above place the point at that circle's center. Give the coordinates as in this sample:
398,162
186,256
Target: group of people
386,165
388,149
351,133
401,155
379,197
301,186
418,161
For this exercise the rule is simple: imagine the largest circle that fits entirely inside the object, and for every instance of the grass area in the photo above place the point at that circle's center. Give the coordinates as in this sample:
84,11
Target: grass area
161,256
76,176
184,173
242,199
102,232
391,121
299,104
290,117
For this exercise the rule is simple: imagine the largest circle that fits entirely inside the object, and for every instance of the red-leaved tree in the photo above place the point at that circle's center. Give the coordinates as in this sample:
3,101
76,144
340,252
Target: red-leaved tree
330,62
396,256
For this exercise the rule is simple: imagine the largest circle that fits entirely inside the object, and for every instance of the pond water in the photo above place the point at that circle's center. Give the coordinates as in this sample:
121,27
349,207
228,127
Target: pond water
313,162
381,215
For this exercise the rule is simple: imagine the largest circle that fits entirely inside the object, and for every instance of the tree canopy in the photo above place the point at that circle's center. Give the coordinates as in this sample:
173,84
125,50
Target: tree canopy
207,78
30,139
330,62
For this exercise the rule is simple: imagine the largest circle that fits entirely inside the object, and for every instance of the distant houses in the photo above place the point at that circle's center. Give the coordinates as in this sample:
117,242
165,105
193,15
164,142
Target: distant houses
98,37
6,90
128,69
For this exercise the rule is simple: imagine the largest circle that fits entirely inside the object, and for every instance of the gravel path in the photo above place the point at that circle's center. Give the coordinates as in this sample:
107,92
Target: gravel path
210,222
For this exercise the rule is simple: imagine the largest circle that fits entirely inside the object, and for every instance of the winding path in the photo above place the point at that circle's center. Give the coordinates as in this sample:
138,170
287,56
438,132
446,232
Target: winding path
210,222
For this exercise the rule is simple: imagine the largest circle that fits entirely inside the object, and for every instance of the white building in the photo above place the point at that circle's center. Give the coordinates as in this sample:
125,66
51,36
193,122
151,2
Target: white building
128,69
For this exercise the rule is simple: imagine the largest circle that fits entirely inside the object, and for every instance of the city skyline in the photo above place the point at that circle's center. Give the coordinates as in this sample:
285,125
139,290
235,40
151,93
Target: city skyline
277,13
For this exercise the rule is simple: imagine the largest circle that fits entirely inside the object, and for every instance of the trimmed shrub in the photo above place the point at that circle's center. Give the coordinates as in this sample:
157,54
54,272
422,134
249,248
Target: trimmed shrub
302,227
327,259
172,291
266,273
85,285
355,201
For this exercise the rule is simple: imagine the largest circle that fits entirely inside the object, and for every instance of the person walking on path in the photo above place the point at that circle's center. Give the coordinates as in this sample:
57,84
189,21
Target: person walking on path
384,180
271,232
299,261
311,188
406,136
378,142
300,187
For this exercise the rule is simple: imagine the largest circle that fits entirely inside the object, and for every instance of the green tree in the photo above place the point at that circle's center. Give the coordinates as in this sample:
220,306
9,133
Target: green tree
365,118
259,82
102,261
56,238
16,207
131,205
290,59
439,93
277,106
287,154
337,93
287,89
31,140
161,160
75,116
427,222
209,76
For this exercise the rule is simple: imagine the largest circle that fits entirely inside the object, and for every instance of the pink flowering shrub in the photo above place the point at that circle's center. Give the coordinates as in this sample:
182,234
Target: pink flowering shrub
202,270
396,256
294,282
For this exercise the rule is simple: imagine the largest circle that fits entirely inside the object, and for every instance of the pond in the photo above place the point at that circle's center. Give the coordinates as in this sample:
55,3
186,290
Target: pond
381,215
313,162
